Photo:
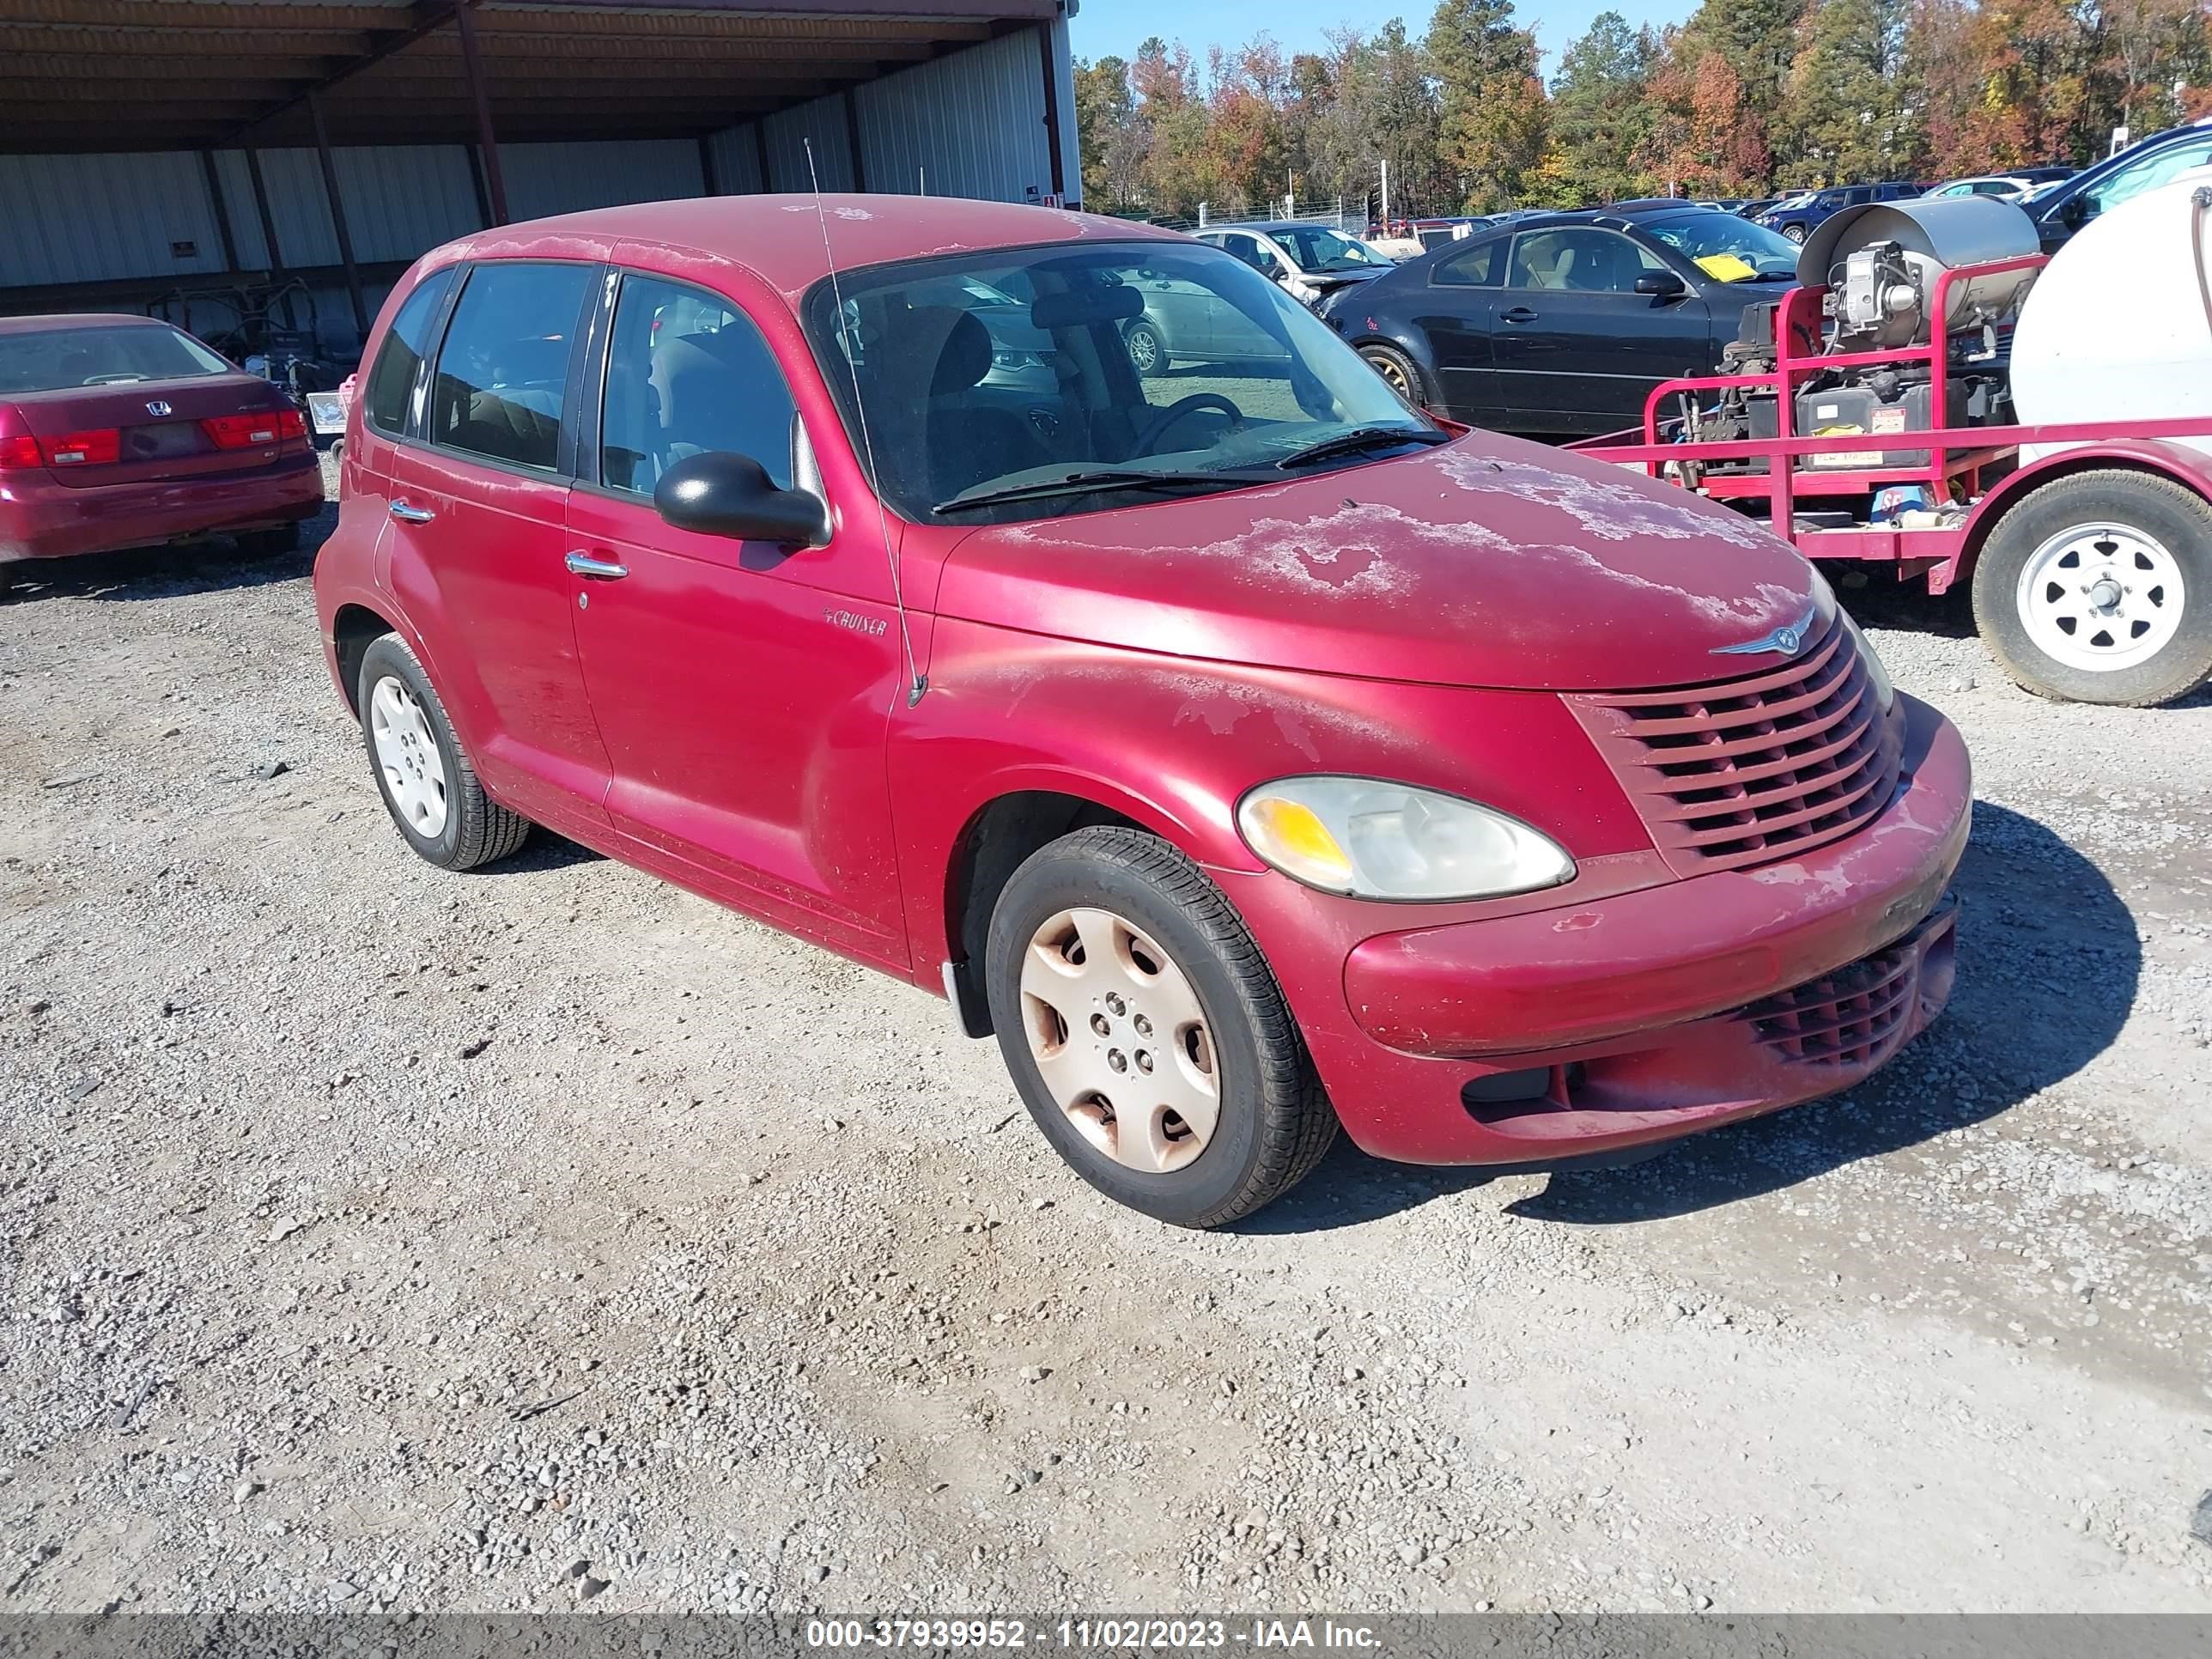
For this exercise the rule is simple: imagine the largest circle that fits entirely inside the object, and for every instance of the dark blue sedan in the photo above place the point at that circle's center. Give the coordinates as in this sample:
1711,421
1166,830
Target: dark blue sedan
1562,323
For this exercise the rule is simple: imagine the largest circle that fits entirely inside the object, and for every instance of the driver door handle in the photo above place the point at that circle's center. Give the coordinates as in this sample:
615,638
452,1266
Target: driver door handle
1517,314
407,513
583,564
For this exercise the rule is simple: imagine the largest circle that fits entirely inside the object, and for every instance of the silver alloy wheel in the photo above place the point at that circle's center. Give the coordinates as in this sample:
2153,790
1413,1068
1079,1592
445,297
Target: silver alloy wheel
1143,349
2101,596
1120,1041
414,770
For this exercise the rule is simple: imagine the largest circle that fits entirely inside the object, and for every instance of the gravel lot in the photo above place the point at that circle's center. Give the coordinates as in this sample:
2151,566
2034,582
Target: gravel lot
378,1237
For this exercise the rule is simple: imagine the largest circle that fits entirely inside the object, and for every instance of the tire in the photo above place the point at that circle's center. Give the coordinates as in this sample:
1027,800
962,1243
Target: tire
1794,233
1273,1123
470,829
263,544
2064,544
1148,352
1398,371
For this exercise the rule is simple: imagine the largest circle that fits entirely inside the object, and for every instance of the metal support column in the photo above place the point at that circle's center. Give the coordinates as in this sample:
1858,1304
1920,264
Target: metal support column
487,140
337,213
222,209
1051,61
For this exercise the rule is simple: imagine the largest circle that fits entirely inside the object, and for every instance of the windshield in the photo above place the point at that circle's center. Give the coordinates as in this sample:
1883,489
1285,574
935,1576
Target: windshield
1726,247
53,360
1316,247
1170,365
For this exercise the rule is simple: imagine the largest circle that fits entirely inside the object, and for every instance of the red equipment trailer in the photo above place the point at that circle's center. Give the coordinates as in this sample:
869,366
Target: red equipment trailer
2091,565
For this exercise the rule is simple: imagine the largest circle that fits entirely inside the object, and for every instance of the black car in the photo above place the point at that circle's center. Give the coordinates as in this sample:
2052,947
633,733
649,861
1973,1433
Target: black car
1562,323
2062,208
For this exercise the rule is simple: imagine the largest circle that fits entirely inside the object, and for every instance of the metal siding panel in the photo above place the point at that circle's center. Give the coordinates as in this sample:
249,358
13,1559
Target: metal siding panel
95,218
822,119
973,121
402,199
244,218
736,161
543,179
304,233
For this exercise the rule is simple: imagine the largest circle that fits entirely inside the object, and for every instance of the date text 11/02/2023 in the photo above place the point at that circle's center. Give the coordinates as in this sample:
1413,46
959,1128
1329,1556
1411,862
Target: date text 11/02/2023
1088,1634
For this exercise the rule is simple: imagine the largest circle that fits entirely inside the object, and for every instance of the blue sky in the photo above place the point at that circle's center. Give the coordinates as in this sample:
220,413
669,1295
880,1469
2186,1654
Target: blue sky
1103,27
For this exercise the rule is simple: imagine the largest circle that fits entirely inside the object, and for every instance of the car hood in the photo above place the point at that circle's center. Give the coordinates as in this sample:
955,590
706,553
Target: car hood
1486,561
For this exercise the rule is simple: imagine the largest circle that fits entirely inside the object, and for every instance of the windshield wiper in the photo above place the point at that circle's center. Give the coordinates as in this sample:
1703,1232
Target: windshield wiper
1365,437
1085,483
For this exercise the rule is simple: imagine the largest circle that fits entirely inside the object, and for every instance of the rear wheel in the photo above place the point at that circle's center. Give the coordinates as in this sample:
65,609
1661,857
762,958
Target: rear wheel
1397,371
426,778
1146,1033
2097,587
1148,353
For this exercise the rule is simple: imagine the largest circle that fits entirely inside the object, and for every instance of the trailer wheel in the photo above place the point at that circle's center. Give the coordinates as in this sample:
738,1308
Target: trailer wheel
2097,587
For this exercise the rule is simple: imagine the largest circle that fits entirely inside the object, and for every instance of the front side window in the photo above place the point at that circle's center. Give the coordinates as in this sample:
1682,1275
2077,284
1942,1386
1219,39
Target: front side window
687,374
392,381
1579,259
2130,182
502,375
106,354
1039,401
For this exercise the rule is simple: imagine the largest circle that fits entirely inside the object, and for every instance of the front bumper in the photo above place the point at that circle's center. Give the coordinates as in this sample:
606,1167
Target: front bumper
42,520
1587,1028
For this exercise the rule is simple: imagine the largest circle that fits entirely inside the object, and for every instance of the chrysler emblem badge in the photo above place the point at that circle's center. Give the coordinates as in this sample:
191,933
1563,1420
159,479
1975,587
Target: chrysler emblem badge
1787,640
157,407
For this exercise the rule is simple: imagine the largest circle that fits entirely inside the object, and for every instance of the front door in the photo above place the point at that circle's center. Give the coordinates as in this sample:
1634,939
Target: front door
743,698
1578,347
479,537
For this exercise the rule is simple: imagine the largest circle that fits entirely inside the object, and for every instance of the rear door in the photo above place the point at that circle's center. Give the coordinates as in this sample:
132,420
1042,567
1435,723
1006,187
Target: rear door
479,541
1577,349
744,688
1458,314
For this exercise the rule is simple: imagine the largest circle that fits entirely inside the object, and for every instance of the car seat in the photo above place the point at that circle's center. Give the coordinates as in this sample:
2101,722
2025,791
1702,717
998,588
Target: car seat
942,355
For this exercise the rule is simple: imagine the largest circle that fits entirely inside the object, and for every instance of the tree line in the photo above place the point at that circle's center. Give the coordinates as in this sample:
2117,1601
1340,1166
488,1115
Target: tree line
1746,98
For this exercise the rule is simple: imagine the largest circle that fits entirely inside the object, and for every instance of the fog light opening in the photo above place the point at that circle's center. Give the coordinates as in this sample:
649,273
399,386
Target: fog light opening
1497,1095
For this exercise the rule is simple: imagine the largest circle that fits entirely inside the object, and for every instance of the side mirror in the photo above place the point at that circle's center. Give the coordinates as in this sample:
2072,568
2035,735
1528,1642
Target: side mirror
718,494
1659,284
2075,213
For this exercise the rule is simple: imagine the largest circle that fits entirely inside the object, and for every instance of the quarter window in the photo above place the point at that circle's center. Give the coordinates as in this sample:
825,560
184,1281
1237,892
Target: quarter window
504,371
688,373
1476,268
392,381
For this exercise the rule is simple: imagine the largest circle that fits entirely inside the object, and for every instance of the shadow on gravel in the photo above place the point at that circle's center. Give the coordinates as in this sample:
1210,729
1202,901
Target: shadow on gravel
161,572
544,851
2048,961
2048,964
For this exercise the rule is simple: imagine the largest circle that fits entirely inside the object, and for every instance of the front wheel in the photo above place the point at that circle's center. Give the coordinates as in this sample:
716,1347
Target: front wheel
1397,371
2097,587
1145,1034
1794,233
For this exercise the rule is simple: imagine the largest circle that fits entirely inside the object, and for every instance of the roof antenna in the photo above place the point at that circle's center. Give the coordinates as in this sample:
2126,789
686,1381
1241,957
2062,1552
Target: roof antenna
917,682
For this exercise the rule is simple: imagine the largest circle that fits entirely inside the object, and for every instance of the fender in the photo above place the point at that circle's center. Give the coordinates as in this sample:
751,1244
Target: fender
2190,468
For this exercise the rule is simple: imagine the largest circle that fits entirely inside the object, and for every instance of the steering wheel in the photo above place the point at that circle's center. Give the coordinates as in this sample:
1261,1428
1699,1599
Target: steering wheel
1158,426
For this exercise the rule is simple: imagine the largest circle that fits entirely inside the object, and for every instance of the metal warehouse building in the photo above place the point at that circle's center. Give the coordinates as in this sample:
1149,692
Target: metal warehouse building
159,154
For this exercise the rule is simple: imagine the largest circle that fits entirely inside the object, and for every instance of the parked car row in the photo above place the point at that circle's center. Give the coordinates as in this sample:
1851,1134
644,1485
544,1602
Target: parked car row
1059,689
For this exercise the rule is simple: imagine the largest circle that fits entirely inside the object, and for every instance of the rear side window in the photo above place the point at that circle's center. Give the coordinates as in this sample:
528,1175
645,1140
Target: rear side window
502,378
392,382
688,373
55,360
1476,268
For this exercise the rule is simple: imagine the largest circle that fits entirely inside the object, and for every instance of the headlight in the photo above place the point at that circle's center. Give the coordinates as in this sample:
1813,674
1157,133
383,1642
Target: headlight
1390,840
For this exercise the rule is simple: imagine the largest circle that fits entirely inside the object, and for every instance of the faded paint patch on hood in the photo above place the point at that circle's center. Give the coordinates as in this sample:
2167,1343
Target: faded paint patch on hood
1484,562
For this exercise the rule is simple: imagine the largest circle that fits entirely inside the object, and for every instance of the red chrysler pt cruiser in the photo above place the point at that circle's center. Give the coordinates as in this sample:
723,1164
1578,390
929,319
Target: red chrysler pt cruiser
1247,751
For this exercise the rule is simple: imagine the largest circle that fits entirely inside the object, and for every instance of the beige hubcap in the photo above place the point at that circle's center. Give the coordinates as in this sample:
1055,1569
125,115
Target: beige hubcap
1120,1041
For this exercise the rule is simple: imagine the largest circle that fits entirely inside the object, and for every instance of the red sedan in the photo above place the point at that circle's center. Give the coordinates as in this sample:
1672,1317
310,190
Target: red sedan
119,431
1247,750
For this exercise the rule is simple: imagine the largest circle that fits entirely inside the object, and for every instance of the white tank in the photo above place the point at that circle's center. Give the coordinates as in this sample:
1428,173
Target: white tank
2117,328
